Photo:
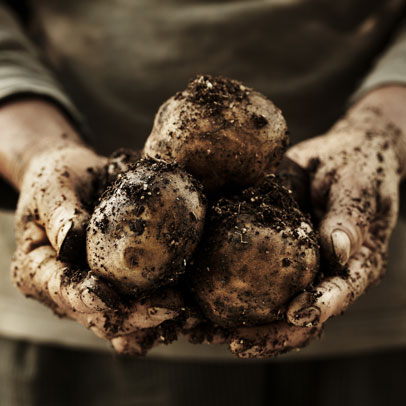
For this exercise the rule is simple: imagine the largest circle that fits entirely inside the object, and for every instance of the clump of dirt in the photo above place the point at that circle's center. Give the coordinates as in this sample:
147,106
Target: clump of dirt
214,94
270,204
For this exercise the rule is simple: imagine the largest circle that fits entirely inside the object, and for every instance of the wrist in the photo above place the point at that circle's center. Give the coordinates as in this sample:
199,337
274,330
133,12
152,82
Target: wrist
28,129
382,113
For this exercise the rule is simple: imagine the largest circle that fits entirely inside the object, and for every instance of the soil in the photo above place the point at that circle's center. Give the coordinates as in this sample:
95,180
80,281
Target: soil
216,128
269,203
214,94
131,195
267,206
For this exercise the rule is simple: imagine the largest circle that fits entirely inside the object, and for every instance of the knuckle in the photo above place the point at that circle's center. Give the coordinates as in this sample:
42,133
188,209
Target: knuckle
18,276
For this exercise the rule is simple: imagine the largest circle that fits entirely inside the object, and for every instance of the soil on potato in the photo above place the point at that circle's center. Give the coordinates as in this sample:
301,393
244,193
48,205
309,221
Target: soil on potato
214,94
224,133
148,192
268,205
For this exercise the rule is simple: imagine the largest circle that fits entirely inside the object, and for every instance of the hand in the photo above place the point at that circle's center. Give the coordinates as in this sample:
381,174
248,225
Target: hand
49,264
355,182
355,174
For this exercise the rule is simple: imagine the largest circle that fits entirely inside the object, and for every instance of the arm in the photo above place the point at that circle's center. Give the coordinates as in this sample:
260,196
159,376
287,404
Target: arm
44,158
32,131
21,121
23,75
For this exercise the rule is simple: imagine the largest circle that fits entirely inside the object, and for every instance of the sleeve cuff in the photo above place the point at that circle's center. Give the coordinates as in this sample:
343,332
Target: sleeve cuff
21,87
389,69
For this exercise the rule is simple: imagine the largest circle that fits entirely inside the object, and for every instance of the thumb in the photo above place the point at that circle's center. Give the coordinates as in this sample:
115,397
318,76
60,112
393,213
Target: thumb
62,213
57,190
66,230
348,212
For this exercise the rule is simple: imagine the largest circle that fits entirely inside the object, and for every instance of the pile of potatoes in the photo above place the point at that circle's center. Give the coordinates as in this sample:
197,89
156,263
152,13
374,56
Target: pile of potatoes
201,211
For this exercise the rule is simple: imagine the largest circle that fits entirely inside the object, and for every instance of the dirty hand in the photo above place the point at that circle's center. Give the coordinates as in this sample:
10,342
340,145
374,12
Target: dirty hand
355,172
56,184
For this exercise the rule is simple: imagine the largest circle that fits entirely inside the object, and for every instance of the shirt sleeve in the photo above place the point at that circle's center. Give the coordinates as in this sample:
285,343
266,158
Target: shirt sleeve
389,68
23,73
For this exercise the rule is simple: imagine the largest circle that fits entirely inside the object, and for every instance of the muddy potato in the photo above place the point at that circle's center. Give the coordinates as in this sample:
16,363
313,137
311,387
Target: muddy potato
259,251
222,132
146,226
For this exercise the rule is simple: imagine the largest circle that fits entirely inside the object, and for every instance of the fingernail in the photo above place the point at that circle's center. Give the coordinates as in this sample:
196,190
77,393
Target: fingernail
161,314
71,242
341,246
62,233
91,301
307,317
126,346
92,295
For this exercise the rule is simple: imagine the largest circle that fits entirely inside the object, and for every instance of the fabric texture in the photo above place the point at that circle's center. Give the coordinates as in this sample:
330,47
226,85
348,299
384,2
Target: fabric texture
35,375
22,72
389,68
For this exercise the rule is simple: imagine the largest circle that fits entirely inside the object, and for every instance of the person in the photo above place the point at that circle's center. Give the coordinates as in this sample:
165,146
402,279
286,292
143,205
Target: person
90,78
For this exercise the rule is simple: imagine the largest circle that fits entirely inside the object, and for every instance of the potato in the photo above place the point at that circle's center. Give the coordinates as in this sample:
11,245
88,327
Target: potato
258,252
220,131
146,226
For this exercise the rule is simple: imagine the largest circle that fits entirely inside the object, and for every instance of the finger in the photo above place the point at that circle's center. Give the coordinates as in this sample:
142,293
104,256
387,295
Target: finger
137,343
40,275
198,332
109,325
164,305
56,197
271,340
142,340
32,236
304,152
350,209
71,292
81,291
335,294
295,178
142,315
95,293
124,320
63,216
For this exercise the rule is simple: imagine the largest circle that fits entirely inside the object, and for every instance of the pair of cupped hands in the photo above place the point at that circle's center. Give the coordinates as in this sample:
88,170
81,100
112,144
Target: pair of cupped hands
355,173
